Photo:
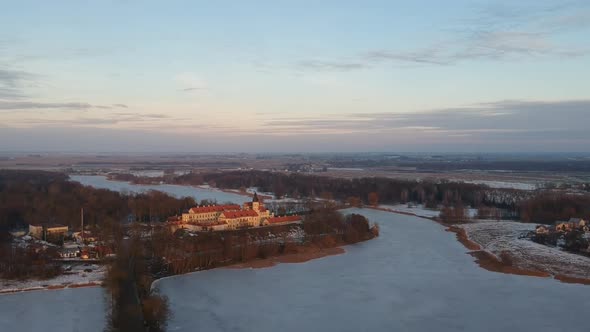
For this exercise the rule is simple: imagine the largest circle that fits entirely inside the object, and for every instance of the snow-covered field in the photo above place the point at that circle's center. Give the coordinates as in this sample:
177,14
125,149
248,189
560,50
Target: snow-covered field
496,237
505,184
421,211
414,277
154,173
77,276
418,210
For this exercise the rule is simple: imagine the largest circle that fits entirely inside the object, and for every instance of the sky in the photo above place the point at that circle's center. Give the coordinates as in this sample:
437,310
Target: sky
295,76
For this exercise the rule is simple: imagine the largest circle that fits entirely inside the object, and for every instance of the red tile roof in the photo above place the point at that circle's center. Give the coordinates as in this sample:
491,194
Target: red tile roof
275,220
240,214
214,208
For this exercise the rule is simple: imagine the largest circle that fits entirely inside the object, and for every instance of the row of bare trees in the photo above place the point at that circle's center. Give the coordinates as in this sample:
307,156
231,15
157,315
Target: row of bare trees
492,203
550,207
185,252
41,197
25,263
135,306
369,190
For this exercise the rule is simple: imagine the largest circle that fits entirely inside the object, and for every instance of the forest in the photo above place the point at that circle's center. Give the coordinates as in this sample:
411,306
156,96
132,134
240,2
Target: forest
184,252
367,190
49,197
542,206
549,207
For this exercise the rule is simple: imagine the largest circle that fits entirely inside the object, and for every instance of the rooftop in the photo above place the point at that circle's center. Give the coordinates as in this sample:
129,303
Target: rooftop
240,214
214,208
275,220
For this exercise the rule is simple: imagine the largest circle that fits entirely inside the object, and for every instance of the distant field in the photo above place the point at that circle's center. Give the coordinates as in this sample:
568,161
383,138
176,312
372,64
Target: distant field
525,173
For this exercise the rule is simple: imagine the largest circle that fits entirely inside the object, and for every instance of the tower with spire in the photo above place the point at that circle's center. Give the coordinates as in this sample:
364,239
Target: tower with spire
255,203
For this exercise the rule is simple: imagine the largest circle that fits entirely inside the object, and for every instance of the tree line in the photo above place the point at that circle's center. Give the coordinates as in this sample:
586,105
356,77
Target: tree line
367,190
321,228
550,207
48,197
542,206
355,192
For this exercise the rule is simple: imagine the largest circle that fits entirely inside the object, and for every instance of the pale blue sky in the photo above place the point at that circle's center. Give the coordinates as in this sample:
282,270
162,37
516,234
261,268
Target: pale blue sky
295,75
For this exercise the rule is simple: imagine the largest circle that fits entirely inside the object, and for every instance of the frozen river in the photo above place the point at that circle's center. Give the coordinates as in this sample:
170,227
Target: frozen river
414,277
98,181
74,309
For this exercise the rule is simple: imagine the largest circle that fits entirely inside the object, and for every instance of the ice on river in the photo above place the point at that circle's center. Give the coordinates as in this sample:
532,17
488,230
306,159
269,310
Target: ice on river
74,309
199,193
414,277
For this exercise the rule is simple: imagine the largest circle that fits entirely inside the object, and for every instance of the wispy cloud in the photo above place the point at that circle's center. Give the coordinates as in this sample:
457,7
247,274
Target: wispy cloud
499,119
432,55
13,78
191,89
506,125
496,33
109,119
28,105
12,82
15,94
190,82
321,65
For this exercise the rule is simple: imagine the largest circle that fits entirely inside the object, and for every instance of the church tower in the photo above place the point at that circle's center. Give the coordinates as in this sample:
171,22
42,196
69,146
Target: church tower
255,203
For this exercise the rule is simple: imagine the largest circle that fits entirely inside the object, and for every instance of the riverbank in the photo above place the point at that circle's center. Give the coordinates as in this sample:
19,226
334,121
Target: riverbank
50,287
488,260
75,278
305,254
539,261
509,258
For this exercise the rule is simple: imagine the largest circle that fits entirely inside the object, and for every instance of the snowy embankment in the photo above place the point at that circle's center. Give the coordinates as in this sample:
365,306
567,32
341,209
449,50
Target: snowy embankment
506,184
502,236
418,210
77,277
